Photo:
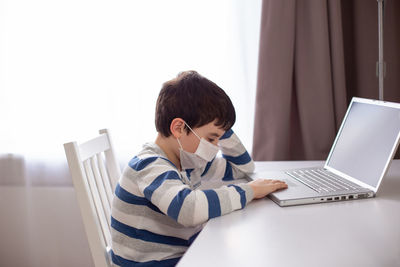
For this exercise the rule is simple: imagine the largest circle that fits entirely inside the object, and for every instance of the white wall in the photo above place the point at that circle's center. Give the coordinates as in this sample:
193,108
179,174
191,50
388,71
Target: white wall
40,227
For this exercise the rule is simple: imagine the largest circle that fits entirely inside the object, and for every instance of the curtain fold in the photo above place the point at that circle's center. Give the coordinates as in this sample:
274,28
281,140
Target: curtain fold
314,56
19,170
301,95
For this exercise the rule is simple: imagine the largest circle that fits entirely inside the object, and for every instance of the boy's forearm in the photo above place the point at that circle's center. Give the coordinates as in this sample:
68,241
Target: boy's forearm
202,205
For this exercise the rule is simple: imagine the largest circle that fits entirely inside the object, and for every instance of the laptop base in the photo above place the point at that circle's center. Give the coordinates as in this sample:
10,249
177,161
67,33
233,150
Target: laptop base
321,199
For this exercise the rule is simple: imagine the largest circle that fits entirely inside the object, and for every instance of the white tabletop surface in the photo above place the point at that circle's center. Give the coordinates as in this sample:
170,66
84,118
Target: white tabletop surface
350,233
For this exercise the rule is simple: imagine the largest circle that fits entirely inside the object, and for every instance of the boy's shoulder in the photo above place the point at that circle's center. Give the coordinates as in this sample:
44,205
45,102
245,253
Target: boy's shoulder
150,158
151,149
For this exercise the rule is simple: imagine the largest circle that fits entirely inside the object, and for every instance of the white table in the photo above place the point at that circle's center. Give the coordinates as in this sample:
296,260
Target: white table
350,233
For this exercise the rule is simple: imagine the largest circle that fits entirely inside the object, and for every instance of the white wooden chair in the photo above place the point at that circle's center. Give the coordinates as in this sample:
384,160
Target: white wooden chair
94,178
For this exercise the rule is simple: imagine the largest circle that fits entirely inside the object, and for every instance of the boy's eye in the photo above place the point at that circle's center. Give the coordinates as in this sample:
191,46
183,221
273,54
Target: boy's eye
211,140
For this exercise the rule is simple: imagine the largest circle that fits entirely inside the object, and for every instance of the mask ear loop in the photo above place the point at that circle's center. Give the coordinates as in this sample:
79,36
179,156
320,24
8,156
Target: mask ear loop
179,143
192,130
177,139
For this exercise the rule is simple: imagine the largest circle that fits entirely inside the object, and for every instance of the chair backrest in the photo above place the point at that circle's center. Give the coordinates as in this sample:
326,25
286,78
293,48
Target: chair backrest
95,172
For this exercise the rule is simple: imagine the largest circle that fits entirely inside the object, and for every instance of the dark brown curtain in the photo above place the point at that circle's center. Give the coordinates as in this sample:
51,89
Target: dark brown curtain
315,55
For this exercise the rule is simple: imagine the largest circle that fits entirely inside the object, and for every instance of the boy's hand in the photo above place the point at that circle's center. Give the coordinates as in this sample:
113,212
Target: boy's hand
263,187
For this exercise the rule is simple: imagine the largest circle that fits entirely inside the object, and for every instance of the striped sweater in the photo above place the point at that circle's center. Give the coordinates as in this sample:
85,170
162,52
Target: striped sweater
158,211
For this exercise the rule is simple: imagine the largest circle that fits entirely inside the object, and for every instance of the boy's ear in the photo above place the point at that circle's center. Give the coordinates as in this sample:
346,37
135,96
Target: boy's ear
177,127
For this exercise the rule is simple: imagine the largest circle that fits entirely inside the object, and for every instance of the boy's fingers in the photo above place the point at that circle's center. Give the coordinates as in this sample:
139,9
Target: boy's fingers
270,181
281,185
275,181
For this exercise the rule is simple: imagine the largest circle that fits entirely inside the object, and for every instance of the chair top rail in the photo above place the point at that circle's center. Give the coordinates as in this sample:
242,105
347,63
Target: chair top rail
94,146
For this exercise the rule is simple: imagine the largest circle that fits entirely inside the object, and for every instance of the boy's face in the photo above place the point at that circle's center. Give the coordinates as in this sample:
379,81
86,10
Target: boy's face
210,132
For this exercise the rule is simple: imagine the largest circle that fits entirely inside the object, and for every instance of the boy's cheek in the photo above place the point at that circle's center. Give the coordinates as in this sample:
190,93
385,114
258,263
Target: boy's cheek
192,146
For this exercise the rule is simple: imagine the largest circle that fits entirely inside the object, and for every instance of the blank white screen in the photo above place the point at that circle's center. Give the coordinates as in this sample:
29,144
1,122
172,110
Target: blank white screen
366,141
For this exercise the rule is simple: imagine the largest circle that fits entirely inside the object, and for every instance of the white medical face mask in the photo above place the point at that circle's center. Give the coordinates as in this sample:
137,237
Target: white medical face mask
204,153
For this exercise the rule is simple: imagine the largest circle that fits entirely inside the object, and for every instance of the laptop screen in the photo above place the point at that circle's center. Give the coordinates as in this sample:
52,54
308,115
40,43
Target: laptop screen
366,141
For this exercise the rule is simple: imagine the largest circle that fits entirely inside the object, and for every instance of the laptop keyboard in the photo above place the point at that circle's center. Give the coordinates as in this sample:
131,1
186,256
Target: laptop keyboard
322,181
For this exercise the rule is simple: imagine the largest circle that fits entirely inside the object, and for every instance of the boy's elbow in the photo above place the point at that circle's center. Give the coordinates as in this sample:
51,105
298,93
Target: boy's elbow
190,222
247,168
194,210
251,167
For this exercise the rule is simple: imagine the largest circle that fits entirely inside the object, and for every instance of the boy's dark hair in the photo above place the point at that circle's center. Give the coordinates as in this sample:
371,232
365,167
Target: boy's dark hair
196,100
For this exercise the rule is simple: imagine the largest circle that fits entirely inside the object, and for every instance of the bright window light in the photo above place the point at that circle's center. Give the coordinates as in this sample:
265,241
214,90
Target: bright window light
70,68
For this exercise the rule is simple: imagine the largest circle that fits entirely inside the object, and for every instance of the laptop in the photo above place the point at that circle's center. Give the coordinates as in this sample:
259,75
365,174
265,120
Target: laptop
358,160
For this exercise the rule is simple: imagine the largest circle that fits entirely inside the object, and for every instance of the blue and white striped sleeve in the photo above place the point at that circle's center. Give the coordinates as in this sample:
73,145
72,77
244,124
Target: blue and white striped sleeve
161,185
235,161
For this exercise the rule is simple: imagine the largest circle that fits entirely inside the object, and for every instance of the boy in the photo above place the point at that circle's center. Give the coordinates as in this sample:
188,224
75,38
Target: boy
160,203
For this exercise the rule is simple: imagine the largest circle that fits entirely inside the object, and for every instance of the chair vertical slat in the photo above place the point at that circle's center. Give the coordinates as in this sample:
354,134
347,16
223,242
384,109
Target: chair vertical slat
112,165
97,201
106,178
101,189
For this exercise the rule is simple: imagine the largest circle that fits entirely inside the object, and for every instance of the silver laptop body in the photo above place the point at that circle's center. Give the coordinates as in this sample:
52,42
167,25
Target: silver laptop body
359,158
